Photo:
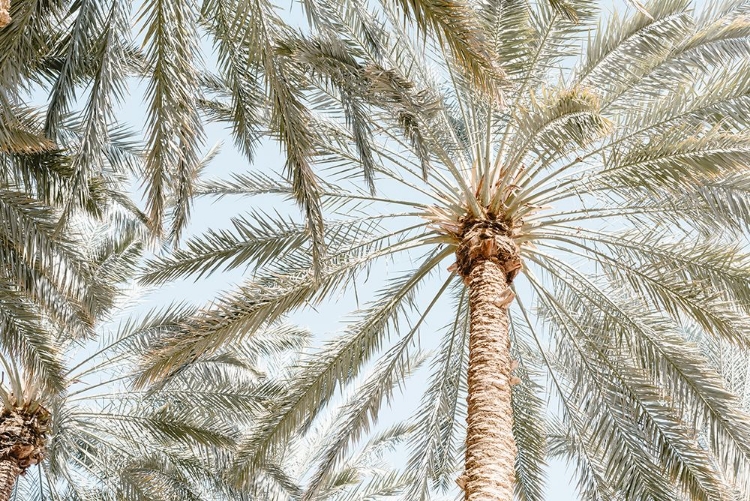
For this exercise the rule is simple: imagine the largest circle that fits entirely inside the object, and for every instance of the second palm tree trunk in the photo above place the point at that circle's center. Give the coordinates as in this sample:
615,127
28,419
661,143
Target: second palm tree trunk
9,471
490,447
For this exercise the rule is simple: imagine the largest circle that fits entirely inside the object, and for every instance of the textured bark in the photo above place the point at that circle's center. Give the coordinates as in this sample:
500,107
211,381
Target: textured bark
23,437
9,471
4,13
490,447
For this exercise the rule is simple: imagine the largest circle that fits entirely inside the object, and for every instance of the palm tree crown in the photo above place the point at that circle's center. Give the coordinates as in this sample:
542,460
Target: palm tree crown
596,218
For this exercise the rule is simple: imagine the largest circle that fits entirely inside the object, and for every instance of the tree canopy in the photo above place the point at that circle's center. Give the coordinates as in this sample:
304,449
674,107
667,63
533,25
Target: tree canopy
599,159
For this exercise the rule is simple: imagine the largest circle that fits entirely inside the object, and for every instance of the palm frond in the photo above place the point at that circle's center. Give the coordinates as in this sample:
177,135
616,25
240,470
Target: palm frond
362,411
620,178
337,364
239,81
639,42
529,422
639,415
175,133
456,25
257,239
433,443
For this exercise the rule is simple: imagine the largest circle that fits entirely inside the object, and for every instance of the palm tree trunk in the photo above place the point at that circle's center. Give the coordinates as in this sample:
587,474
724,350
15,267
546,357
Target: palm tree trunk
4,13
9,471
490,447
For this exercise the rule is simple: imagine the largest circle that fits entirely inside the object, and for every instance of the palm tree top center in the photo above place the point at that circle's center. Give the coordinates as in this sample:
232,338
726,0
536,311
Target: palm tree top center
487,239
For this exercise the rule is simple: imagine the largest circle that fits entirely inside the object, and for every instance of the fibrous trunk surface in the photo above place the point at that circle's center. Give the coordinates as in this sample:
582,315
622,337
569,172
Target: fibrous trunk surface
9,471
4,13
23,436
488,259
490,447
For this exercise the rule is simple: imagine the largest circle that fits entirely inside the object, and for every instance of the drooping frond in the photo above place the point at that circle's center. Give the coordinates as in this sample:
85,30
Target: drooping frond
433,443
175,133
336,365
239,79
529,422
455,24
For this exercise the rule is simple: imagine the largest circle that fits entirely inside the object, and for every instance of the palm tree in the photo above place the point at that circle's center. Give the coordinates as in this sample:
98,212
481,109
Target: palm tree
53,288
90,435
73,157
583,225
101,440
32,390
104,454
52,291
24,427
